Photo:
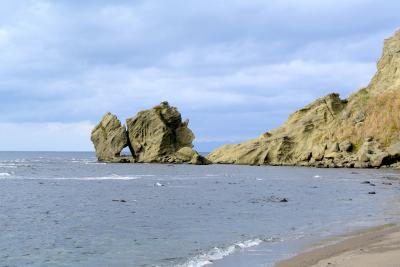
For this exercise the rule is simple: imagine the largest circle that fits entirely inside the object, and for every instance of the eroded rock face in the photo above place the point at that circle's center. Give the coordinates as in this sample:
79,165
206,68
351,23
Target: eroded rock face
154,135
302,138
361,131
109,138
388,77
159,135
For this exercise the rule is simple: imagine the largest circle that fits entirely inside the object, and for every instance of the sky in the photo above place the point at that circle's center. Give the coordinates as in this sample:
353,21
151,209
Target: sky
234,68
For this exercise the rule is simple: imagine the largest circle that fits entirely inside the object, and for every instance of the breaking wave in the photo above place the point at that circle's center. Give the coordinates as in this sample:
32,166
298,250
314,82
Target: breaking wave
112,177
8,166
217,253
99,178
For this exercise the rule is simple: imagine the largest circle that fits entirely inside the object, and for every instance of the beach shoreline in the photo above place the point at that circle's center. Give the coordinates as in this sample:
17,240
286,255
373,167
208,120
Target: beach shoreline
376,246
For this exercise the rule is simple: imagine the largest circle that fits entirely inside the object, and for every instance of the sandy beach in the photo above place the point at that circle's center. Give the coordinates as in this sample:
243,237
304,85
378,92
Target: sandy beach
375,247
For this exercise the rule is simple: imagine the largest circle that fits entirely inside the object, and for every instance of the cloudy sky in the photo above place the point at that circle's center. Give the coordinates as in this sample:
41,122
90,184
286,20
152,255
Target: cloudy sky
235,68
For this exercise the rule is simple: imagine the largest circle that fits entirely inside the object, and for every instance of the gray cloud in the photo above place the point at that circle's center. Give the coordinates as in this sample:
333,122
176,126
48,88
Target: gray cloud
236,69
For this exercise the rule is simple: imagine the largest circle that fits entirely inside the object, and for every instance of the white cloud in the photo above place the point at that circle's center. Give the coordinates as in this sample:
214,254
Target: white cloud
126,90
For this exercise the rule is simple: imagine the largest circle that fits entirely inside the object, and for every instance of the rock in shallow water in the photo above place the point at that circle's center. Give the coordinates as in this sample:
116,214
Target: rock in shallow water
153,135
159,135
109,138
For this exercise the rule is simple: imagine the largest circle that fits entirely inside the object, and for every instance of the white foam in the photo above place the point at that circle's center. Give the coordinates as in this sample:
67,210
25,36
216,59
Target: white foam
317,176
101,178
87,161
219,253
95,163
250,243
17,161
113,177
87,178
8,166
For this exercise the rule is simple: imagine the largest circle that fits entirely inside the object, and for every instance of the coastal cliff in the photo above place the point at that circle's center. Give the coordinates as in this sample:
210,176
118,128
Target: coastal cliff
155,135
361,131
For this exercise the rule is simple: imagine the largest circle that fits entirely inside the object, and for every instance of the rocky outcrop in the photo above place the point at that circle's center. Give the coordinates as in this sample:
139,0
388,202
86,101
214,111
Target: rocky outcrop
303,138
109,138
361,131
156,135
159,135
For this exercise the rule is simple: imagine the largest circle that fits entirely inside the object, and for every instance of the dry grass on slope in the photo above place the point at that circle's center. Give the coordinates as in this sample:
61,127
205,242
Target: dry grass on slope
381,120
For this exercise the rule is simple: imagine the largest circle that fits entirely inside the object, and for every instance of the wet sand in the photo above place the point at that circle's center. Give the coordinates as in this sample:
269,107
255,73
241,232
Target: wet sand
375,247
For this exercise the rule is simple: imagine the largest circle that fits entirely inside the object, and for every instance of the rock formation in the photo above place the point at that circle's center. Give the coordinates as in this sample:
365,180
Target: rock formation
159,135
109,138
154,135
361,131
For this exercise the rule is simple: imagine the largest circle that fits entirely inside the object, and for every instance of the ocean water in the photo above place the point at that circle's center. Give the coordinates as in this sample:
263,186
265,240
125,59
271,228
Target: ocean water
66,209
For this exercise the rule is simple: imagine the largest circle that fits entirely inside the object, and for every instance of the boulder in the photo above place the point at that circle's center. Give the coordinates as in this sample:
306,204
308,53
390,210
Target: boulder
333,147
363,156
185,154
394,150
379,159
198,159
318,152
109,138
332,155
345,146
305,156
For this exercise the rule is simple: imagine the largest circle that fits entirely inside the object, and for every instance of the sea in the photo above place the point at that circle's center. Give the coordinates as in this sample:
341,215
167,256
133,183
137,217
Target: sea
67,209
